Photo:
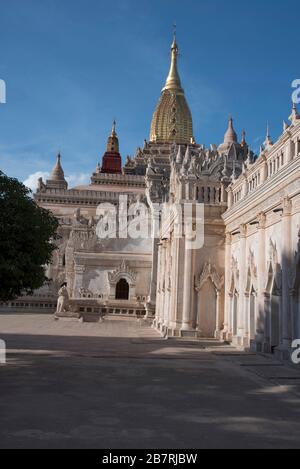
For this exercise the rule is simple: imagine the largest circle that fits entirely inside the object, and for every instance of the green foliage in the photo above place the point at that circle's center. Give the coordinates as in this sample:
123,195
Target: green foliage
26,240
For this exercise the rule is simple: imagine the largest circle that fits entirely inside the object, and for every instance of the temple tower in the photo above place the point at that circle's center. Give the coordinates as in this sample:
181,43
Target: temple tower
172,119
111,161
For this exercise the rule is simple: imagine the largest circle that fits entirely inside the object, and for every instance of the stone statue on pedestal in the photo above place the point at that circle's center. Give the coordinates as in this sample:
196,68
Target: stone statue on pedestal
63,300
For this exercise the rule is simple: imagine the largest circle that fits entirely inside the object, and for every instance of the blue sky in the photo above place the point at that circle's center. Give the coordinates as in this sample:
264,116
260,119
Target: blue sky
71,66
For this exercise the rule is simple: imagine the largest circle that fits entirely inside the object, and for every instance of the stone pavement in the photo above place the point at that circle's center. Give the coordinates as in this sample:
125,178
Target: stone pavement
120,385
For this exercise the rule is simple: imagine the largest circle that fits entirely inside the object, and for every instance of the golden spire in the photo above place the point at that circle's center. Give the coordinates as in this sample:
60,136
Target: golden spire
172,120
173,80
113,141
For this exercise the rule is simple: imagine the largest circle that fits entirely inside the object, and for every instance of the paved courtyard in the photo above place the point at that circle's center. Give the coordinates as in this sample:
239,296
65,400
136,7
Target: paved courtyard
120,385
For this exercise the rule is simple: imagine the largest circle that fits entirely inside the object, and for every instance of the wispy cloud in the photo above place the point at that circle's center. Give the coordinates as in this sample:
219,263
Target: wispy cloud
32,180
78,179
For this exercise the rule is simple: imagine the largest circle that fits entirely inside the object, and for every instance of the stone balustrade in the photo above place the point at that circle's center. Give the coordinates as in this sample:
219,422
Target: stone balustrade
270,162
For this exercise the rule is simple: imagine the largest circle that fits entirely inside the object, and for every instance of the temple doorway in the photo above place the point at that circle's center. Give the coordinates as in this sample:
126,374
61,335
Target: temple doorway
208,310
122,290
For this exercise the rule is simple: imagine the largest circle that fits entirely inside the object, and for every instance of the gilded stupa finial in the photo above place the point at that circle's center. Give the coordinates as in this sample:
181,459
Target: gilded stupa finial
172,120
174,32
173,79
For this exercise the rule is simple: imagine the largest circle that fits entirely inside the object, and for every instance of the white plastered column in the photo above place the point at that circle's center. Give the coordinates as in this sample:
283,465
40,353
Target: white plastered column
286,264
261,313
242,284
150,309
228,274
187,285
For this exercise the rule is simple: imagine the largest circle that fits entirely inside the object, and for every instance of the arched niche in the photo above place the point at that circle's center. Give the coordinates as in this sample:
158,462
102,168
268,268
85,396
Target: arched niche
209,287
273,305
251,307
118,278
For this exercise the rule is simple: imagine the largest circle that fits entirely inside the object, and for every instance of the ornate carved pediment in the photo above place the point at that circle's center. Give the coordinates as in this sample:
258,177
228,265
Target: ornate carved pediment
123,271
209,272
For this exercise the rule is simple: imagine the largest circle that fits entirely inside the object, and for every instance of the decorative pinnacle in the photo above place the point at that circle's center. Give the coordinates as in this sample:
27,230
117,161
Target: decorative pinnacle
113,130
294,116
243,142
268,140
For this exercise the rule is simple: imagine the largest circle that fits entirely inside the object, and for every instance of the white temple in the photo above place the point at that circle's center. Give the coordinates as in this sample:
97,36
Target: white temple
242,285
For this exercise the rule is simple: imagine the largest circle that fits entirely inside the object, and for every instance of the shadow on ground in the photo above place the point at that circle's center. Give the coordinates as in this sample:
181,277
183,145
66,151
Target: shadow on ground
136,391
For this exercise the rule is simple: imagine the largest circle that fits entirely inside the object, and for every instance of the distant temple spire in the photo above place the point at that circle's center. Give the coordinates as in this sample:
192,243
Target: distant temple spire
57,177
57,171
111,161
113,141
230,135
